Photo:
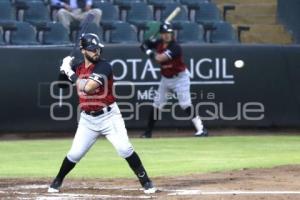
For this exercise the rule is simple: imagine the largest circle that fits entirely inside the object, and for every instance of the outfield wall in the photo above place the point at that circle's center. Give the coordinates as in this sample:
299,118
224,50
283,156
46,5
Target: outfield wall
264,93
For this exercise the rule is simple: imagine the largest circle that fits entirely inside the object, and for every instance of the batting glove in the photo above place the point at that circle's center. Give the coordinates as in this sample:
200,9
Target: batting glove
66,66
145,48
150,53
68,60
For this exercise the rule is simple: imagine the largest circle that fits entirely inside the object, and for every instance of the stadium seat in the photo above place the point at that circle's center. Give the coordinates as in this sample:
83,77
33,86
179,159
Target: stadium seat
139,15
91,27
123,32
223,33
288,13
207,14
282,9
192,5
124,5
7,13
96,29
56,34
24,34
190,33
110,13
24,1
37,13
158,5
182,17
1,37
193,2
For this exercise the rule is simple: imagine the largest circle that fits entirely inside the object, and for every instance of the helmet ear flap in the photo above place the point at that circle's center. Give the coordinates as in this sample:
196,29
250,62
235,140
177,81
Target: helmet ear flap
80,44
81,38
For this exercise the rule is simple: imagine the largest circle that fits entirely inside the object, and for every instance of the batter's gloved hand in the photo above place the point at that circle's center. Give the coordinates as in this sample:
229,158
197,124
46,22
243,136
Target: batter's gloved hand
150,53
66,66
144,47
68,60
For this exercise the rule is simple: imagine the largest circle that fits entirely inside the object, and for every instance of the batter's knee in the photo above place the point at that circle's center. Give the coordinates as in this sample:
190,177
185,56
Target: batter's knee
62,13
185,105
75,156
125,151
96,12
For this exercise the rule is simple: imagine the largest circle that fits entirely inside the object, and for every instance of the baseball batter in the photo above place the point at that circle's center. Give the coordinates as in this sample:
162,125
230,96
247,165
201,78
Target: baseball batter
100,114
175,77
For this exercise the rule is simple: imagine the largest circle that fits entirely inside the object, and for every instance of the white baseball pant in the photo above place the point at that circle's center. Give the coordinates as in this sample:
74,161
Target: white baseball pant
109,124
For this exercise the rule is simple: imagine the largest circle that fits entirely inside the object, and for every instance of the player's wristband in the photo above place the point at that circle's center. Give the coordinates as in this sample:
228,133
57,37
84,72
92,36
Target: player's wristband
98,78
82,84
73,78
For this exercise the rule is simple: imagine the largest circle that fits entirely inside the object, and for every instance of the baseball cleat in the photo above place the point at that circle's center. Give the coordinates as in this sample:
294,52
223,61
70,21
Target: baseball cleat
53,190
150,191
203,133
55,185
149,188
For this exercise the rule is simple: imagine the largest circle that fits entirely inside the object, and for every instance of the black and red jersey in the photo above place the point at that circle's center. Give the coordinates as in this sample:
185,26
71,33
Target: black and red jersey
103,96
175,64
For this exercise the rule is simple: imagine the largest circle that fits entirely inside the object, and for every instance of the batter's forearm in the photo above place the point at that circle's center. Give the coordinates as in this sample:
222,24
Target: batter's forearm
161,57
91,86
87,86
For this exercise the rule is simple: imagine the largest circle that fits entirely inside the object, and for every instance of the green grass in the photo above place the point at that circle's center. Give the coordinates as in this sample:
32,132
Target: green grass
162,157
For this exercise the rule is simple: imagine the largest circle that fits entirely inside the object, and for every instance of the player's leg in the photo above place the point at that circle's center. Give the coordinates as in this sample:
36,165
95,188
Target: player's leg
182,89
116,133
152,118
137,167
160,100
65,17
83,140
197,122
97,15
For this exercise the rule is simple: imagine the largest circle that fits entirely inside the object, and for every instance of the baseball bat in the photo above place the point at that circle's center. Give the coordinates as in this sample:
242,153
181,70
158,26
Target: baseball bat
173,14
89,18
170,17
62,77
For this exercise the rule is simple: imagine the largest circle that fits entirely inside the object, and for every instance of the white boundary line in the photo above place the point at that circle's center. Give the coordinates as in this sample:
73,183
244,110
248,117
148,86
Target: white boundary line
192,83
103,196
232,192
52,196
169,192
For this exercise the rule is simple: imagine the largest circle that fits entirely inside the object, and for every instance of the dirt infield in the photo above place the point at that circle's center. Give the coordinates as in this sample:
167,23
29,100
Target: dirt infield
255,184
157,133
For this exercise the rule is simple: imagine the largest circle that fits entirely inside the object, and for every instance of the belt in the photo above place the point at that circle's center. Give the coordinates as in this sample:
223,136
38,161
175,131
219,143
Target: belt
172,76
96,113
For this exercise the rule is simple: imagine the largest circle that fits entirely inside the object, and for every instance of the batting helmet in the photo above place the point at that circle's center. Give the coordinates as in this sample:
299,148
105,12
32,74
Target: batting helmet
90,41
166,28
